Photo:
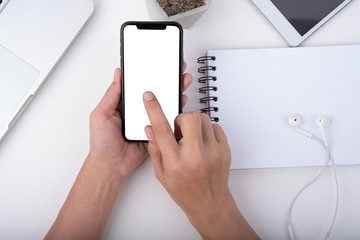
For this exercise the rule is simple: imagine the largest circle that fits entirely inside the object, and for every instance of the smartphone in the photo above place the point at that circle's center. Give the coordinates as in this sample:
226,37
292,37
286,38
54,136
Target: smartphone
151,60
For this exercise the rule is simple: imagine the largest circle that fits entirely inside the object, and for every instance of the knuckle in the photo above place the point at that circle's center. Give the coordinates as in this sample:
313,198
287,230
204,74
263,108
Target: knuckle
161,127
191,117
205,117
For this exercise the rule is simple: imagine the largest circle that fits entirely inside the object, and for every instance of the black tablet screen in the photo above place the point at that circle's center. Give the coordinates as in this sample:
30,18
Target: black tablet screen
305,14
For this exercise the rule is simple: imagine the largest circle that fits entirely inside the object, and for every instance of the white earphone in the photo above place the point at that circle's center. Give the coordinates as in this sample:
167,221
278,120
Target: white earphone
294,122
321,122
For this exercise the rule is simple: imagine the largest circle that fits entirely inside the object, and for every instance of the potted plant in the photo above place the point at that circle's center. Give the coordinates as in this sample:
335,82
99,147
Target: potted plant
186,12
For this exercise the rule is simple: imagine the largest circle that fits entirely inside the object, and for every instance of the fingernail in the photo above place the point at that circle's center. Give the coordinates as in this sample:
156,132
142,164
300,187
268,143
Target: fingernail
116,76
148,96
148,135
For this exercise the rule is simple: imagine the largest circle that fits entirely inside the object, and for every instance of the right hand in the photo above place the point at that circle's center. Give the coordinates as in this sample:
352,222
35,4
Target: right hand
195,172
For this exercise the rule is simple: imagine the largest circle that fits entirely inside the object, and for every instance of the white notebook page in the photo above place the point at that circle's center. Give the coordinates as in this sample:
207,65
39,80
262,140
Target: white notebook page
258,89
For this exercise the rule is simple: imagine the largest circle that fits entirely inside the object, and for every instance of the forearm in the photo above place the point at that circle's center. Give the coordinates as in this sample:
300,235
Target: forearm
88,206
224,221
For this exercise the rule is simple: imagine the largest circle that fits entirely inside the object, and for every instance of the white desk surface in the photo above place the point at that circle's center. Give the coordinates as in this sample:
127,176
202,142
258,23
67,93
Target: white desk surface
42,154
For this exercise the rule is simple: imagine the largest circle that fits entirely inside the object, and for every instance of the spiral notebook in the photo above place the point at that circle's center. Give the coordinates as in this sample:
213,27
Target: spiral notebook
251,93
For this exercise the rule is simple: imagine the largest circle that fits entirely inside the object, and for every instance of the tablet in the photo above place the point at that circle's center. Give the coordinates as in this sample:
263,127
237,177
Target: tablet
296,20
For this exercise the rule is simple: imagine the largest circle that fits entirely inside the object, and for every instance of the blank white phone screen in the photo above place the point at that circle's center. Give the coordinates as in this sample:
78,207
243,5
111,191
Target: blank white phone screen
151,63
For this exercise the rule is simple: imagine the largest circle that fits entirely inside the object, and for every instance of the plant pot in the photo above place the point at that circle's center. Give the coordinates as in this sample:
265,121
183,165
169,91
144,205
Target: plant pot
186,19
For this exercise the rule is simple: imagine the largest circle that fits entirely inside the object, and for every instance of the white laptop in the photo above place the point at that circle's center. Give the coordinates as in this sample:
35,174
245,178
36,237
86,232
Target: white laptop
34,35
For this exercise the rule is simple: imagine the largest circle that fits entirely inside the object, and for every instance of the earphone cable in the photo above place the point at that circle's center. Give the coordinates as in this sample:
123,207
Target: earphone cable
317,175
337,196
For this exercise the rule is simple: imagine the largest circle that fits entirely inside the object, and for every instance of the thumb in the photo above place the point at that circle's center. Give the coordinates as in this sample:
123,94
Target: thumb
154,153
110,100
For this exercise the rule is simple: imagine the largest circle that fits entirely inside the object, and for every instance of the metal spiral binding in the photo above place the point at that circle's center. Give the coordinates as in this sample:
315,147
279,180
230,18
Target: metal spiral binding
208,88
206,68
206,79
203,59
214,119
209,109
208,99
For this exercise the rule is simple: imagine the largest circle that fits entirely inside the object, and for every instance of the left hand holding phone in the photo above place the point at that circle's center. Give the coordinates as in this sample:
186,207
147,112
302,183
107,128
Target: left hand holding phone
107,145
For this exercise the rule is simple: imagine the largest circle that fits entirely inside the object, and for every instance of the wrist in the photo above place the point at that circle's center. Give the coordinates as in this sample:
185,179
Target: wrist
104,170
89,204
222,220
210,209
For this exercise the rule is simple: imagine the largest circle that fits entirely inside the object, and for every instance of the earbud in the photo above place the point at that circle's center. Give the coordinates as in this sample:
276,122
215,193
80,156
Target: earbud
294,122
323,122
